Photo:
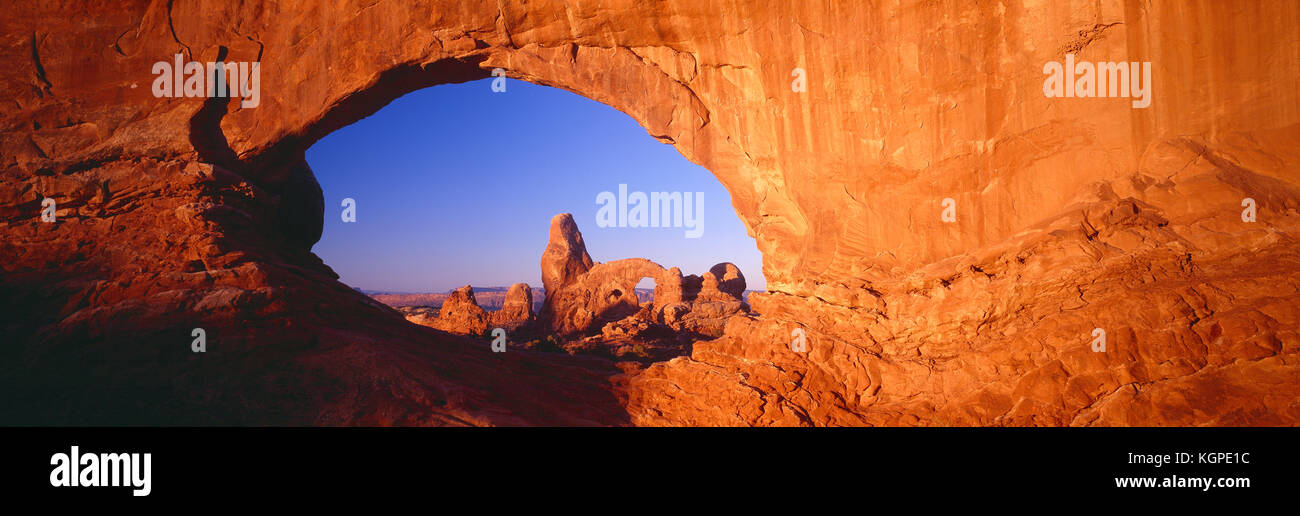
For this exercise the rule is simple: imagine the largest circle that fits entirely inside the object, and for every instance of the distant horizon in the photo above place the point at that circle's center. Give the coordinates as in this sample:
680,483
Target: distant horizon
496,288
456,185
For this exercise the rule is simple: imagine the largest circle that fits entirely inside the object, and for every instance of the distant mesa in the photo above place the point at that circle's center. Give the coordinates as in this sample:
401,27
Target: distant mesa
490,298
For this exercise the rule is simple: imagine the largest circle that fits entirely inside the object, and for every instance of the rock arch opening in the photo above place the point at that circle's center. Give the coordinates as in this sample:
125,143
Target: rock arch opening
437,205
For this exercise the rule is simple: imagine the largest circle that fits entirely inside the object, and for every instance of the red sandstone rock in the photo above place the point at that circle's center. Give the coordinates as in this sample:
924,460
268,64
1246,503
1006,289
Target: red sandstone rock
1071,214
461,314
566,256
601,295
606,292
729,279
517,309
421,315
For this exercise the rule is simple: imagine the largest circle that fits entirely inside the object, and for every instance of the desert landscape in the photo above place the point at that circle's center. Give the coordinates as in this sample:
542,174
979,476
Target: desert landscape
592,308
948,237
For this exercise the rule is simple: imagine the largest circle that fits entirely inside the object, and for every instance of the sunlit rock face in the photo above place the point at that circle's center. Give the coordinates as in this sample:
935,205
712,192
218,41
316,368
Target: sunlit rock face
584,297
944,238
461,314
516,310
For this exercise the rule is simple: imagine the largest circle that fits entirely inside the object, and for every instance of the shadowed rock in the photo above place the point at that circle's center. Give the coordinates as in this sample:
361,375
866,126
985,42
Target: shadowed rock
729,279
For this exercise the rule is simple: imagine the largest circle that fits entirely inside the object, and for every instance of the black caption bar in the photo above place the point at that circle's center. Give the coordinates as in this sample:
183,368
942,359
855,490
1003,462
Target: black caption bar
160,465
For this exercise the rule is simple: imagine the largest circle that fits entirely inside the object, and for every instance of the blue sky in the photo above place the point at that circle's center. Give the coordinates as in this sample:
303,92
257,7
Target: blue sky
456,184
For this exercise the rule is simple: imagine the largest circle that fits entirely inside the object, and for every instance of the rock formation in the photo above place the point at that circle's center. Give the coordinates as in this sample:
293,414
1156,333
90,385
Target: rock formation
606,292
565,257
948,238
710,307
587,297
728,279
461,314
421,315
694,304
517,310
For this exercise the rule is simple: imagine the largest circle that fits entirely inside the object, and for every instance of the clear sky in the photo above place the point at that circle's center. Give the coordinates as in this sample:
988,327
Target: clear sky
457,184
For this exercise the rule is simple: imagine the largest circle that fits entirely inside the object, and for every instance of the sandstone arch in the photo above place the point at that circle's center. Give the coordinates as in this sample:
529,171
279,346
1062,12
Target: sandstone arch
1071,215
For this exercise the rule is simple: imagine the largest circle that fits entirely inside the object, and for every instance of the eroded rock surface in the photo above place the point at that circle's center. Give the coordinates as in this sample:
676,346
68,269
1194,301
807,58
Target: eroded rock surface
1070,215
598,296
421,315
565,257
517,309
461,314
